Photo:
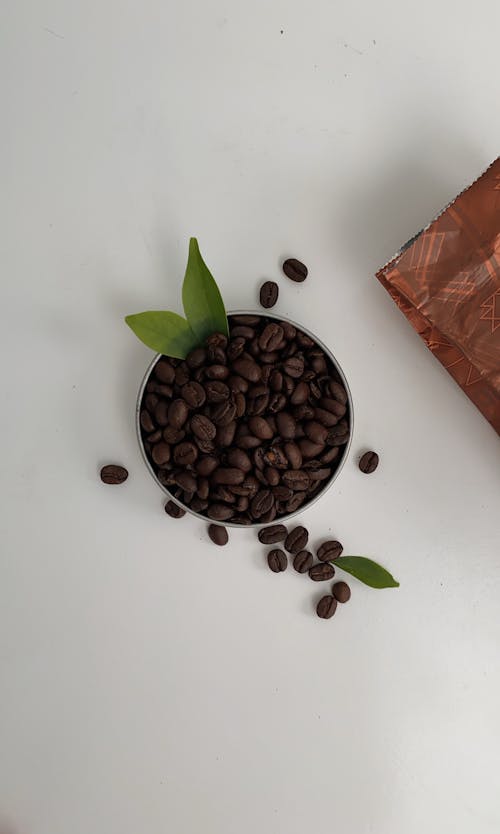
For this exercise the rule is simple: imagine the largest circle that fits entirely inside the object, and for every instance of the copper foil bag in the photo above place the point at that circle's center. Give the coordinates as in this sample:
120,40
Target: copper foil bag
446,281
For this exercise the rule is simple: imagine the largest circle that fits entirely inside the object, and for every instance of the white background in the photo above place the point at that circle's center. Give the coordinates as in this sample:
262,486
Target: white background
149,681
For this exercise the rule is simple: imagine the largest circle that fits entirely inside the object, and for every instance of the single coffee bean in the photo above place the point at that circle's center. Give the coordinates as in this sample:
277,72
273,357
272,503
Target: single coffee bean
147,421
329,550
154,437
172,435
261,503
272,476
320,473
206,465
326,418
177,413
302,561
196,358
217,340
224,413
276,381
159,389
258,399
242,503
271,336
316,432
259,474
295,501
237,384
198,504
286,425
224,435
336,391
296,479
295,270
185,454
202,427
218,534
303,412
193,394
322,572
248,369
277,560
275,456
204,445
296,539
217,372
249,487
220,512
288,385
186,481
161,453
235,348
282,493
304,340
259,458
240,404
294,366
341,592
265,374
223,493
368,462
260,428
333,406
164,372
248,442
113,474
270,535
269,516
216,392
228,475
269,357
173,510
203,488
242,331
277,402
239,459
294,455
268,295
182,374
300,393
330,455
150,402
326,607
161,413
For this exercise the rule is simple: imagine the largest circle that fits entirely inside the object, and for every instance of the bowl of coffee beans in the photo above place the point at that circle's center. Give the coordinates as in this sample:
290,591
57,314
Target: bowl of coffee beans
248,428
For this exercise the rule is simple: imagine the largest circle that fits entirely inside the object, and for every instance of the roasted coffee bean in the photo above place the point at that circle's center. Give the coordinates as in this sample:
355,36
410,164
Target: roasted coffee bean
316,432
295,270
218,534
224,413
206,465
203,488
294,366
259,458
185,453
237,384
247,368
249,441
336,391
276,381
294,455
239,459
277,402
147,421
277,560
289,331
296,539
272,476
322,571
220,512
150,402
261,503
286,425
224,435
268,295
242,503
243,331
295,501
198,504
259,474
164,372
304,340
155,436
159,389
249,487
113,474
303,412
266,372
329,550
288,385
173,510
202,427
223,493
246,318
240,404
368,462
334,406
258,399
339,439
260,428
173,435
217,372
319,473
216,392
196,358
228,476
341,428
271,337
269,357
193,394
270,535
186,481
300,393
326,418
235,348
341,592
177,413
204,445
297,479
217,340
303,561
326,607
161,413
282,493
330,455
161,453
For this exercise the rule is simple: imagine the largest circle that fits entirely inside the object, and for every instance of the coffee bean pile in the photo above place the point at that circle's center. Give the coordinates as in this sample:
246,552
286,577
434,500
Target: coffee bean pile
295,543
246,429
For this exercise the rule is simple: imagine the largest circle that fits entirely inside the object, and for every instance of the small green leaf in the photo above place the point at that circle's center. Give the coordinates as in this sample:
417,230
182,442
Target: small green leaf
201,298
164,332
366,571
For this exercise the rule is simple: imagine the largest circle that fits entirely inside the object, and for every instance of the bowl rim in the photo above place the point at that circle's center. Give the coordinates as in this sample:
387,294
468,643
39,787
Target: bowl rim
282,519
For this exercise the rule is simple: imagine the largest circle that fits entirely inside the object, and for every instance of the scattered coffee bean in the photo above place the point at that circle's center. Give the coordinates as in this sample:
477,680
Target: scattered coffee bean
113,474
295,270
218,534
326,607
303,561
341,592
368,462
296,539
173,510
329,550
270,535
322,572
277,560
269,292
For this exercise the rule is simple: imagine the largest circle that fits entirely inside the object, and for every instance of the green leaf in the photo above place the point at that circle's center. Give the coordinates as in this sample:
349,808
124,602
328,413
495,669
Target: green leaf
201,298
163,332
366,571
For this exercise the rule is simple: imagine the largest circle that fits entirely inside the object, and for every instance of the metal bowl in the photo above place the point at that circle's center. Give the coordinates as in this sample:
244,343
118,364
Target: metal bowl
328,484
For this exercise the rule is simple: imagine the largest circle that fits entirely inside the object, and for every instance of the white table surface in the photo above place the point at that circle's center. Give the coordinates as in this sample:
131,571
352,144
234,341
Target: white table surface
149,681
